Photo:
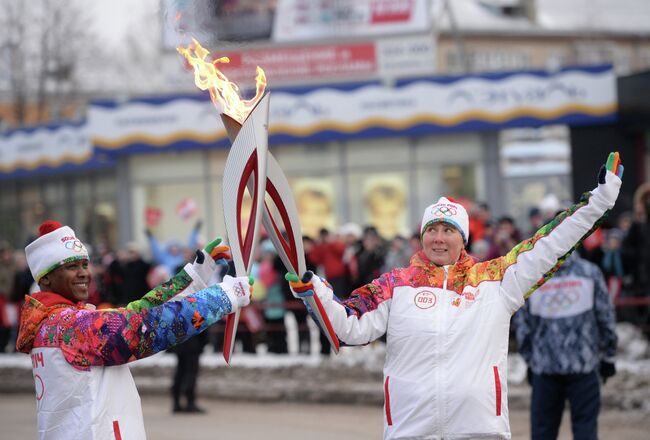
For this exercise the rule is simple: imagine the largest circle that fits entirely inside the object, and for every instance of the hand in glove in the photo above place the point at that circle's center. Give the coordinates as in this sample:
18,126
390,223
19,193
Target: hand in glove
308,285
238,290
607,370
613,165
208,264
217,251
609,183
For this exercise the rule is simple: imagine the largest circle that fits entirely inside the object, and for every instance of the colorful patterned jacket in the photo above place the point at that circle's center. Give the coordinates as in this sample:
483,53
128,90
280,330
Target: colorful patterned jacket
84,390
445,373
570,325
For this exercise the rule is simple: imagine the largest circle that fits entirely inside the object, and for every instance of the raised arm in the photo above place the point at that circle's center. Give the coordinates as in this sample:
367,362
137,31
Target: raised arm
529,264
194,235
157,252
357,320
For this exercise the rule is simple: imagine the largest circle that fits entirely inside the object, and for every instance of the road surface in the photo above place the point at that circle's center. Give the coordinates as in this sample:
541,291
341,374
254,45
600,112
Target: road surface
284,421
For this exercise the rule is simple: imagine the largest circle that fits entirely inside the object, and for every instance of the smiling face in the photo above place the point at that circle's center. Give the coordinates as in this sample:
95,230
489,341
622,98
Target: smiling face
442,243
70,281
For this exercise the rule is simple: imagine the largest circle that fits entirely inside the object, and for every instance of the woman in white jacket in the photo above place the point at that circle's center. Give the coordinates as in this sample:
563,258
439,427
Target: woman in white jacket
447,317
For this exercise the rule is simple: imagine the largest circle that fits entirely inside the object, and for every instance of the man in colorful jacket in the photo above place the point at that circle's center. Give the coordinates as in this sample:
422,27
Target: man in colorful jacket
566,333
447,317
84,390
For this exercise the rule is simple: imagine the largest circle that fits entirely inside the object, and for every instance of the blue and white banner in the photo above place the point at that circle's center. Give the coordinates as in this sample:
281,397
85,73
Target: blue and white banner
451,104
44,146
585,95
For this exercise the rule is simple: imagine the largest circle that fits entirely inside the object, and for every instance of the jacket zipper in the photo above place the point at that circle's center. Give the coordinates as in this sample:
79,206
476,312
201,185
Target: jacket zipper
389,419
442,416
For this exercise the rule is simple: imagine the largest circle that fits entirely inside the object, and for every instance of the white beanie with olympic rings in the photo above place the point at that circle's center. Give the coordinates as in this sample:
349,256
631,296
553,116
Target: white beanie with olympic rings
448,211
56,246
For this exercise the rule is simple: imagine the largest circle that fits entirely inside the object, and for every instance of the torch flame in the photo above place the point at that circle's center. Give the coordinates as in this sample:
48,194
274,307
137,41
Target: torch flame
224,93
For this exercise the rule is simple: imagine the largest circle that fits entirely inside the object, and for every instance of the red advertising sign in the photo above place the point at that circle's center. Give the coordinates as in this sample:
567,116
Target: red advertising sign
391,11
307,62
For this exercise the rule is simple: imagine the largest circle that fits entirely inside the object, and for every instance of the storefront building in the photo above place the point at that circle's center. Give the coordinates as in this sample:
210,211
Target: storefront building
369,153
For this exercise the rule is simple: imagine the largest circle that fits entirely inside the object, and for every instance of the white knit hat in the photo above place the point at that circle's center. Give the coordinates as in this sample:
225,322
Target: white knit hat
447,210
56,246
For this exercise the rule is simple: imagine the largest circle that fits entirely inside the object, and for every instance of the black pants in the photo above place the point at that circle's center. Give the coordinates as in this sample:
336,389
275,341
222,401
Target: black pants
187,371
276,335
549,394
304,340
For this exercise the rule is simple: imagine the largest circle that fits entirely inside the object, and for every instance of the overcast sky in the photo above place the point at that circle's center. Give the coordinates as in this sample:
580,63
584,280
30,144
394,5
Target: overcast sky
113,18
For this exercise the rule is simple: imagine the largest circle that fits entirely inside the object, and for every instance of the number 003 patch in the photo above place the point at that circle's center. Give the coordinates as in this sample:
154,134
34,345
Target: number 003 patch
425,299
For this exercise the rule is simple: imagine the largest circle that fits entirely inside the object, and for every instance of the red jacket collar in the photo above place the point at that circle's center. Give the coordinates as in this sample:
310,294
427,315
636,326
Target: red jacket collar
49,299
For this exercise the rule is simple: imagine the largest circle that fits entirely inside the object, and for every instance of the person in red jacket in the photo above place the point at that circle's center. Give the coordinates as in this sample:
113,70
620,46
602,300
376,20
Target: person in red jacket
328,253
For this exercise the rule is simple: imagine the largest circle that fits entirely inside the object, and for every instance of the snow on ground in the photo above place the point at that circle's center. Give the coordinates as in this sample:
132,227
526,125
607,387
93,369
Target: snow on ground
352,376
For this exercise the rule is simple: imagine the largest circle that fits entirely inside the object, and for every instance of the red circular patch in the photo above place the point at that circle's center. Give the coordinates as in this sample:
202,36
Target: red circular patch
425,299
40,387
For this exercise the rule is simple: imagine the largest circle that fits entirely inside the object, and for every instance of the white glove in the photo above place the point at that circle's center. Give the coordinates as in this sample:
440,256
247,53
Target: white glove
203,270
238,291
322,289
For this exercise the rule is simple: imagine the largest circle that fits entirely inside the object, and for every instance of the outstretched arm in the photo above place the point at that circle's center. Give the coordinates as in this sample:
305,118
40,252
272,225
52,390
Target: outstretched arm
357,320
117,336
529,264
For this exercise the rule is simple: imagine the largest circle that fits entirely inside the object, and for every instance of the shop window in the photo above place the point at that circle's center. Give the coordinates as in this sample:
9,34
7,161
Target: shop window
31,209
458,181
10,226
313,158
54,199
165,166
169,210
375,153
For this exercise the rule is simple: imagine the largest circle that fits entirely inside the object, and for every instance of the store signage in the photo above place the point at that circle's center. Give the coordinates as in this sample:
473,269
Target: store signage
291,64
302,20
449,104
29,149
464,103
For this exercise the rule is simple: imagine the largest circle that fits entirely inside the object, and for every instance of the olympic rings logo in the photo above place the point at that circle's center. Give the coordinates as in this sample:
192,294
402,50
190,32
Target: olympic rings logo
239,290
444,210
559,300
74,246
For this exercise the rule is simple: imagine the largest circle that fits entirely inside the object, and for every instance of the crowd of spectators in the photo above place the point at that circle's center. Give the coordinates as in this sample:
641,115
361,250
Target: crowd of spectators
347,257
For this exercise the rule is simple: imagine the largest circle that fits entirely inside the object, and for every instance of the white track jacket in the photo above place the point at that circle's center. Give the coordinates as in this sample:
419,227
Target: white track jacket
445,373
84,389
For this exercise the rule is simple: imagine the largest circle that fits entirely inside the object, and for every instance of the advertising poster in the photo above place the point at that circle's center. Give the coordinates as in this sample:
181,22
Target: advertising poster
385,201
315,203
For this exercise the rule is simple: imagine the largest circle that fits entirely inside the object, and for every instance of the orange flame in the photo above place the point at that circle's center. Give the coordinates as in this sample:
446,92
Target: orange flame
224,93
